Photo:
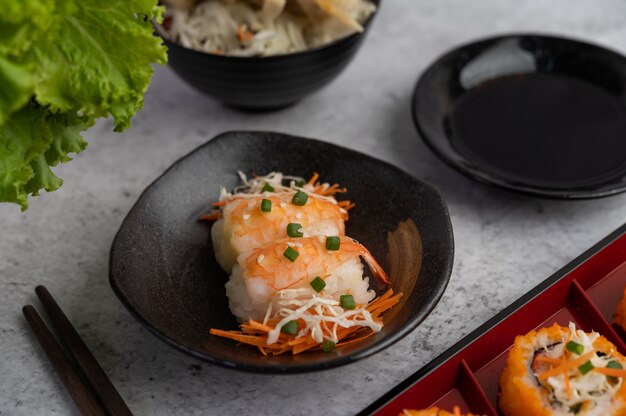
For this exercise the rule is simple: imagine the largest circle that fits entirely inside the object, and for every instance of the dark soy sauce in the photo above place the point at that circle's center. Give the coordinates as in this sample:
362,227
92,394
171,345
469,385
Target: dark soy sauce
542,130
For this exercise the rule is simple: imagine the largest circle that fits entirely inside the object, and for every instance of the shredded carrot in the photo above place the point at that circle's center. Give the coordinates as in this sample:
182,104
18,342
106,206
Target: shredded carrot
566,366
220,203
297,341
255,333
613,372
355,340
347,205
237,336
332,190
457,411
568,390
566,374
259,326
243,34
544,359
301,348
212,216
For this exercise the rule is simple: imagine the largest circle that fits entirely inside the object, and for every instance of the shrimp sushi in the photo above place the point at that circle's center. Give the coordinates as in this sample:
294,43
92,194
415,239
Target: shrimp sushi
293,263
434,411
619,317
265,210
563,371
311,288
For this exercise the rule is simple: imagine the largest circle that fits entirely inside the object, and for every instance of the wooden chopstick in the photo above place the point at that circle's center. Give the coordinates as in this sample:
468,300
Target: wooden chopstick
81,394
108,394
88,384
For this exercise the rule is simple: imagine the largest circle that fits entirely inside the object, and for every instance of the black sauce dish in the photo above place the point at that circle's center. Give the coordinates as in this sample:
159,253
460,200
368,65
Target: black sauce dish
163,269
536,114
265,83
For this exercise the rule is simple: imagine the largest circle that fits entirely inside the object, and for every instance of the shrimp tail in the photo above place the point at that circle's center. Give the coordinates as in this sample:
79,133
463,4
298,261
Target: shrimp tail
376,268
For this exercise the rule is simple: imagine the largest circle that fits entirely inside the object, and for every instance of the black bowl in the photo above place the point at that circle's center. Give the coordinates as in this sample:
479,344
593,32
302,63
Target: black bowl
541,115
265,83
163,269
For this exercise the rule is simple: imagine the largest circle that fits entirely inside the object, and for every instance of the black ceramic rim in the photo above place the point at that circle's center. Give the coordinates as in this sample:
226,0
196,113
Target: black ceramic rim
296,368
490,179
484,328
272,58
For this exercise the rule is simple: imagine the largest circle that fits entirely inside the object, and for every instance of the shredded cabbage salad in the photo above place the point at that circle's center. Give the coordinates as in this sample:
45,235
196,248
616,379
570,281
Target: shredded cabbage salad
322,315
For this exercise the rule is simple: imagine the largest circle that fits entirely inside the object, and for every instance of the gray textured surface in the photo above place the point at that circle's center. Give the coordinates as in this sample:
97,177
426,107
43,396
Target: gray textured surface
506,244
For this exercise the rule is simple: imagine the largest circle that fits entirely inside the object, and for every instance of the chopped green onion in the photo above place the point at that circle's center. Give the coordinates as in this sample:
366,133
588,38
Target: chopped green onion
267,188
585,368
328,346
347,302
293,230
300,184
333,243
575,347
291,254
290,327
300,198
318,284
266,205
615,365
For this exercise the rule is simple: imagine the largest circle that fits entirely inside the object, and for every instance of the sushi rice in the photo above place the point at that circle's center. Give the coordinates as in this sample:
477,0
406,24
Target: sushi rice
251,301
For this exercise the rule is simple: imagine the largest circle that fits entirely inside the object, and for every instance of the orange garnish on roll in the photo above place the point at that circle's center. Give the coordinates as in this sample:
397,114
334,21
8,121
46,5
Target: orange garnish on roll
566,365
611,372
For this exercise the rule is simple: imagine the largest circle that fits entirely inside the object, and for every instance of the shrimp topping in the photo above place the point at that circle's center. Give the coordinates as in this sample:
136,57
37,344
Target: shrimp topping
259,212
244,226
293,263
277,273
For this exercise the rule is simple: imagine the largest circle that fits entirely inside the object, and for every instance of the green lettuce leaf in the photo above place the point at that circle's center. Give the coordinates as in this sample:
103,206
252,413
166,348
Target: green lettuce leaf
17,84
64,63
30,143
22,21
98,61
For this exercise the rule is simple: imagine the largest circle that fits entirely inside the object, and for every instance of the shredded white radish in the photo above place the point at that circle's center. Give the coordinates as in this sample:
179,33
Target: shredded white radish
253,187
317,311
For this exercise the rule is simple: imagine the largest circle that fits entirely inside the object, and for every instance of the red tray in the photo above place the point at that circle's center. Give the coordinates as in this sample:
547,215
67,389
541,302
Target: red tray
586,292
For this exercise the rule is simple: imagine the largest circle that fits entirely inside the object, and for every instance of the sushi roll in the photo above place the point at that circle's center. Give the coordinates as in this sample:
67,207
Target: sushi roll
563,371
265,210
302,293
619,317
434,411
